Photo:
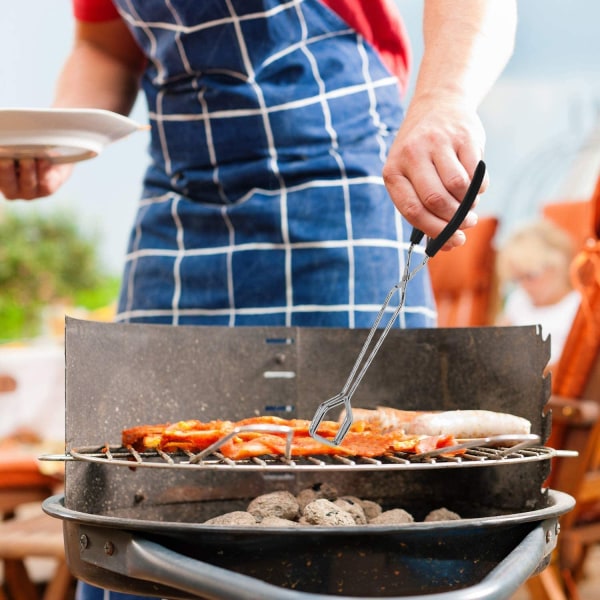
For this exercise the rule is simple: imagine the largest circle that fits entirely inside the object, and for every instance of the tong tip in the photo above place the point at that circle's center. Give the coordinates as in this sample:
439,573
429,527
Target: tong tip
320,413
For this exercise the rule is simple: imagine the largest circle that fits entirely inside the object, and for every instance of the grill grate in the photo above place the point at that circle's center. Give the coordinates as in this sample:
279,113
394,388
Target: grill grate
473,457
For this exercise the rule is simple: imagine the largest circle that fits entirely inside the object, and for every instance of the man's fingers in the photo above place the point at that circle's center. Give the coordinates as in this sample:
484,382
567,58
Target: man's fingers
452,173
51,176
9,186
414,210
27,178
18,179
470,157
425,200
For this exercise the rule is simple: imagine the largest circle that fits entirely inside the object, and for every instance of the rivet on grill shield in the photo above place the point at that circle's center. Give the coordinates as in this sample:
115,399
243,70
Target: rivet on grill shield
109,548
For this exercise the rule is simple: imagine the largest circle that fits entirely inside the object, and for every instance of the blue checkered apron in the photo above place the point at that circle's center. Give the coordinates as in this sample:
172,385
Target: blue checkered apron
264,202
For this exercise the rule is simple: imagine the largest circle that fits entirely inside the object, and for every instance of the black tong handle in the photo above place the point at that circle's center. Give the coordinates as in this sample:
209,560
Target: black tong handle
434,244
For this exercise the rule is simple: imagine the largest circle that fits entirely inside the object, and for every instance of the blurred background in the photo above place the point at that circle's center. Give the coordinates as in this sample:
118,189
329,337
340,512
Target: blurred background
542,121
63,254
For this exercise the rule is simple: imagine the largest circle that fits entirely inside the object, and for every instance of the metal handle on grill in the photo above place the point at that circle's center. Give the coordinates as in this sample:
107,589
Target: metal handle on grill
148,561
511,442
254,428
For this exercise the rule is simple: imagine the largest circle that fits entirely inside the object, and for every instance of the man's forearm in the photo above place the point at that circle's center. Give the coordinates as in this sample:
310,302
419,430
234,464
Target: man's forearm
91,81
467,45
103,69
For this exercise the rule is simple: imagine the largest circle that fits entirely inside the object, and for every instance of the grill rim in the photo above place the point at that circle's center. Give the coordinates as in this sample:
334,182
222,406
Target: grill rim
558,504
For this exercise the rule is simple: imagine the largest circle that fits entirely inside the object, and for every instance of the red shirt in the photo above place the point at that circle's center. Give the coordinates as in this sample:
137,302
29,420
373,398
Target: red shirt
378,21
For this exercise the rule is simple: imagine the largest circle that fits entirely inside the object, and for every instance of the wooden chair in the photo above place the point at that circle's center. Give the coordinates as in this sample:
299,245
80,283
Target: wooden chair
573,216
463,281
34,536
28,534
575,405
21,482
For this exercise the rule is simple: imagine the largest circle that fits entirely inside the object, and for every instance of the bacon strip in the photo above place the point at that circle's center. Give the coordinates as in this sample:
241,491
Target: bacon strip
363,439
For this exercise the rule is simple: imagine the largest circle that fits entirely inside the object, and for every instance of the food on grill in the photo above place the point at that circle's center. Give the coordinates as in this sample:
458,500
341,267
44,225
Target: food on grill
383,417
363,439
469,424
192,432
461,424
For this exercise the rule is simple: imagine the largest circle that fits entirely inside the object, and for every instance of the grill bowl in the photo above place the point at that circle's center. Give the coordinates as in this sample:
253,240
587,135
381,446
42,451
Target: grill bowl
362,561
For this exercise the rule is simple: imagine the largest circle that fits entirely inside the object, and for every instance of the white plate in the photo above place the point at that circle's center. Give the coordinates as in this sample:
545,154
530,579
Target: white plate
60,135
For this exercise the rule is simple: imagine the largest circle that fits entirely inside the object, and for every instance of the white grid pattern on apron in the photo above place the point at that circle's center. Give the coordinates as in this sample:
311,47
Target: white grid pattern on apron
369,86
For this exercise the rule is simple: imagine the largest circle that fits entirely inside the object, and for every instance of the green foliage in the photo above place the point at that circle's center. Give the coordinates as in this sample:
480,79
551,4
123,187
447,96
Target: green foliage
45,259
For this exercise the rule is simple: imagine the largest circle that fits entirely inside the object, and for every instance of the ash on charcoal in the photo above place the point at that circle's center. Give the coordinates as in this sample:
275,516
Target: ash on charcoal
277,522
442,514
319,505
276,504
325,512
317,491
371,509
395,516
354,509
237,517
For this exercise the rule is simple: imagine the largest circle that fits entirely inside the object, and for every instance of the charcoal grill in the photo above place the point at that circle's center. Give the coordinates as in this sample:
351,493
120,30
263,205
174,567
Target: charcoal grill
136,525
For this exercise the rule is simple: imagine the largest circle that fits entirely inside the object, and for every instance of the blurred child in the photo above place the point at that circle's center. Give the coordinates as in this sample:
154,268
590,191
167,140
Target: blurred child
533,273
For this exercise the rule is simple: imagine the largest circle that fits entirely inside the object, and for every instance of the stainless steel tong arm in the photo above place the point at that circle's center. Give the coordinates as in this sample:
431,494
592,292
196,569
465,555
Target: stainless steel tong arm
356,375
433,245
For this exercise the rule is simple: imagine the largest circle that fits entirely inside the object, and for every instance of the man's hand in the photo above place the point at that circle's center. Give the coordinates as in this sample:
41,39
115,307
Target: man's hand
436,151
28,178
431,164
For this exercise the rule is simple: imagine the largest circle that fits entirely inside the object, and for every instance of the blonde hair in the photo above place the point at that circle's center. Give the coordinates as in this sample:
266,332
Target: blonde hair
534,248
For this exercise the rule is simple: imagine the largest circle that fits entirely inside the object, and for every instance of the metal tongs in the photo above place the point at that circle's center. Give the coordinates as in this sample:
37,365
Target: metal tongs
357,373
